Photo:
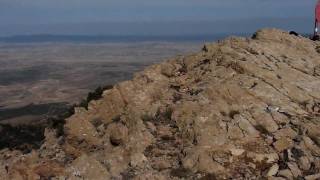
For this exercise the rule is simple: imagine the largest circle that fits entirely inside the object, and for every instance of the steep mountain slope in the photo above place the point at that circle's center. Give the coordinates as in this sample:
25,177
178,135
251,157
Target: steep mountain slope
242,108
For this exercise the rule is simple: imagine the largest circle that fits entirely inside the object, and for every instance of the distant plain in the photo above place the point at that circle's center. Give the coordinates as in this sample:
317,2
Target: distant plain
36,77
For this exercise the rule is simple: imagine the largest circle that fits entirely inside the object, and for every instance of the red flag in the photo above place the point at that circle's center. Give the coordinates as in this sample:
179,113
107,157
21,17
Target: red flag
318,11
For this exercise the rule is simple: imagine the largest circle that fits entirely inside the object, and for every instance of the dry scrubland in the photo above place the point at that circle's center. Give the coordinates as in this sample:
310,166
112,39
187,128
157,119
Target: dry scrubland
36,79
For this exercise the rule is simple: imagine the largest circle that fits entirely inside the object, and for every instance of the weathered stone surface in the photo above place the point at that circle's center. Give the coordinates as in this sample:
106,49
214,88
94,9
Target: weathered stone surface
273,170
304,163
313,177
138,160
268,158
85,167
285,133
286,173
118,134
283,144
237,152
296,172
310,145
243,108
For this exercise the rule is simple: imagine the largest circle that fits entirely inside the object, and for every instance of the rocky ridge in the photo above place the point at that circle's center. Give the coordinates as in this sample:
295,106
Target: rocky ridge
242,108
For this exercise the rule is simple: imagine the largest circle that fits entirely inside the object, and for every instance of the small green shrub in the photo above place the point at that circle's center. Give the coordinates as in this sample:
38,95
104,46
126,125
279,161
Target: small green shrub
95,95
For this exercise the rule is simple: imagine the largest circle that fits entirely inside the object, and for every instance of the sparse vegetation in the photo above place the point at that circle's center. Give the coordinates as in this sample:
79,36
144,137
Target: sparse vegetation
28,137
24,137
95,95
147,117
57,122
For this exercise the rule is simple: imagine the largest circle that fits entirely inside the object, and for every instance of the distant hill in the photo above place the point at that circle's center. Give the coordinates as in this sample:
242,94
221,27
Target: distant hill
100,39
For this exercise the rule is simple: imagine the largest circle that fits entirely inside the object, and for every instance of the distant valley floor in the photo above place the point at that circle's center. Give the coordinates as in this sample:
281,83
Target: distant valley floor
35,78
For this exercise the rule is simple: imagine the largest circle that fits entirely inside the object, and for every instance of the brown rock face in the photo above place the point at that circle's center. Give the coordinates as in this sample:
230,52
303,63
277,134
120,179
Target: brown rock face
118,134
242,108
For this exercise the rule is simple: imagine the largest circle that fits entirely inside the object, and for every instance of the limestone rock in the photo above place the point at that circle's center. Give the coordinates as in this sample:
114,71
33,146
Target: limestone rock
313,177
138,160
242,108
286,173
237,152
273,170
283,144
296,172
285,133
304,163
85,167
118,134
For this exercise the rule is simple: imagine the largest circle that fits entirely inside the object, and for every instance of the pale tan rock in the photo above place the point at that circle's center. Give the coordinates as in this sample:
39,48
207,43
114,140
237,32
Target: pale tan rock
286,173
86,167
151,126
294,169
235,133
304,163
206,164
189,162
164,131
273,170
138,160
276,178
313,177
283,144
246,126
311,146
78,127
285,133
237,152
266,121
150,175
313,131
168,70
161,165
269,158
118,133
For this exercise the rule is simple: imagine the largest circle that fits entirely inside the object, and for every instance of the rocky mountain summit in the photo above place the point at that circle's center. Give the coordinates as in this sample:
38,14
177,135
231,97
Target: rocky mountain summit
242,108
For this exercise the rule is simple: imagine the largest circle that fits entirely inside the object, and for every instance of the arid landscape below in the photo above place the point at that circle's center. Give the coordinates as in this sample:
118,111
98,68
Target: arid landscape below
39,79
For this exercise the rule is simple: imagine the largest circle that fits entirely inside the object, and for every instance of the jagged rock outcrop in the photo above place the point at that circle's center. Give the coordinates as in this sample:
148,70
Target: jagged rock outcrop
242,108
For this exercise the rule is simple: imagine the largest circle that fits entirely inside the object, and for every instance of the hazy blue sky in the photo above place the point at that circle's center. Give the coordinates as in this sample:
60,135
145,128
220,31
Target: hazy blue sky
29,13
